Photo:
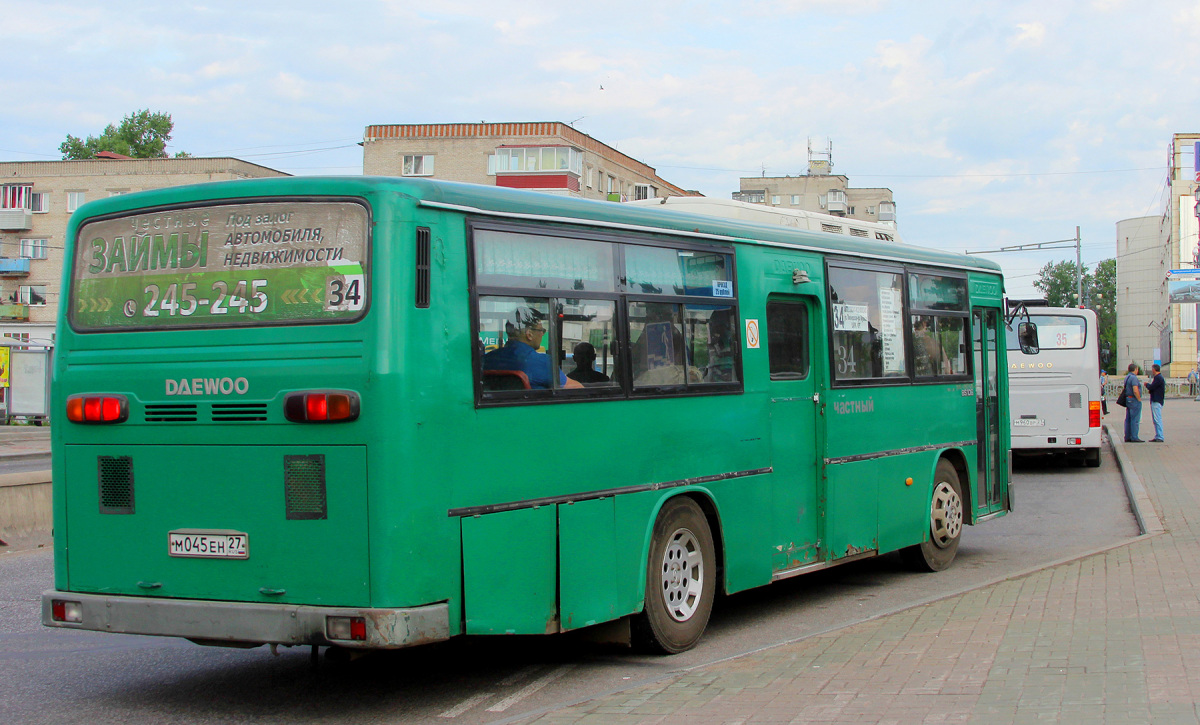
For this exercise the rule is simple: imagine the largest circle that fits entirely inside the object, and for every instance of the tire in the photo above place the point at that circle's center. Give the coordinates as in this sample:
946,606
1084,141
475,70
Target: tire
680,580
945,523
1092,457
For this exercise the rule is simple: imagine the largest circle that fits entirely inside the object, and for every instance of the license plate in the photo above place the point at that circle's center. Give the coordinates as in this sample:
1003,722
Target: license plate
204,544
1029,423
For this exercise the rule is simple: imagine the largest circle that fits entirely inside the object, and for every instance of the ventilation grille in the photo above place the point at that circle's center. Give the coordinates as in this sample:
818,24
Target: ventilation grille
1076,400
227,412
860,233
304,487
116,484
422,267
836,229
171,413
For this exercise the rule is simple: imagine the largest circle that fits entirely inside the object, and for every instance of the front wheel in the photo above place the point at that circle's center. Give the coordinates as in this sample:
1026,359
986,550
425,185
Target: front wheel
945,523
680,580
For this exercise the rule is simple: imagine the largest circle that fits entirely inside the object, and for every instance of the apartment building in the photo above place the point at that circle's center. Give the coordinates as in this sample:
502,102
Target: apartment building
820,191
36,201
549,157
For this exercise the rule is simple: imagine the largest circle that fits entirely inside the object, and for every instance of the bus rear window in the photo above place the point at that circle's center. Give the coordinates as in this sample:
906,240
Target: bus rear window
1055,332
231,265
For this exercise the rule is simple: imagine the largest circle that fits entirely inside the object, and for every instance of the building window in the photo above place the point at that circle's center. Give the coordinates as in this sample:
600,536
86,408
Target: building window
75,199
33,248
751,197
541,158
590,172
795,199
775,200
41,203
612,184
418,165
644,191
117,192
33,295
16,196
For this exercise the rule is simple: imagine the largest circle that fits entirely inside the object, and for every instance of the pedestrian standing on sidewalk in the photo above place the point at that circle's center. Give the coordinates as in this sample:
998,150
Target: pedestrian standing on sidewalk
1104,391
1133,404
1157,387
1192,378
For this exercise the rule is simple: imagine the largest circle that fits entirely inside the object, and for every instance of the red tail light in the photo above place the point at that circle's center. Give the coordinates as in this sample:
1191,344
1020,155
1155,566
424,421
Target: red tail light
1094,414
321,406
97,408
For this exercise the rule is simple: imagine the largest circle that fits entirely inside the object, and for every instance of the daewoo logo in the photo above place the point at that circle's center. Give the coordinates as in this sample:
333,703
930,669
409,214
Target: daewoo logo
207,386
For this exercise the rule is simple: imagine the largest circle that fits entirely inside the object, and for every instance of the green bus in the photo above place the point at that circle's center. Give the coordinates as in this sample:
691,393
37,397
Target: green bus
379,412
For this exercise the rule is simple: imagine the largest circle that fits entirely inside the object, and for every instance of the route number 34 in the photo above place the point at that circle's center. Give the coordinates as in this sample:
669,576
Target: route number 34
345,292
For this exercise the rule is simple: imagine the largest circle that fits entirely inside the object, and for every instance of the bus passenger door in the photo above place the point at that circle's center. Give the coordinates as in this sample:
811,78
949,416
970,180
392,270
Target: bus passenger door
795,453
989,496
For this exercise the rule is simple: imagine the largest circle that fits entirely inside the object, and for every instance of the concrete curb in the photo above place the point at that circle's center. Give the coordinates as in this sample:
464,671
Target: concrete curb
1143,508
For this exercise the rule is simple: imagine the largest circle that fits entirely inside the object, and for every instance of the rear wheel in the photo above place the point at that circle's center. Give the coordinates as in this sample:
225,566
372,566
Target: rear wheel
945,523
680,580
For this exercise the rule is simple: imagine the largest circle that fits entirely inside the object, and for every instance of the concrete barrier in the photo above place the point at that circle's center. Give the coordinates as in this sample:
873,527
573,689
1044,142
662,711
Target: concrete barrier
25,504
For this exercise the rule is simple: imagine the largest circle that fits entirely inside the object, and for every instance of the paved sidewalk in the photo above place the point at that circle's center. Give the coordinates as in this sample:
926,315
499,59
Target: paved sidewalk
1109,638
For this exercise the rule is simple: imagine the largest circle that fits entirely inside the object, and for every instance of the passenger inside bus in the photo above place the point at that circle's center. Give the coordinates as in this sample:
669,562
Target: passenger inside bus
585,371
524,329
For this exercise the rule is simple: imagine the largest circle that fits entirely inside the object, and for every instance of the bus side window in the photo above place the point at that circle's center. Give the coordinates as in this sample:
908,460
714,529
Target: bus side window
787,340
588,335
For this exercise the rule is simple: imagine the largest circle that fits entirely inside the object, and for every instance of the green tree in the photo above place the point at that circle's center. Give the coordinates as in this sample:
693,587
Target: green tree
142,135
1102,297
1056,282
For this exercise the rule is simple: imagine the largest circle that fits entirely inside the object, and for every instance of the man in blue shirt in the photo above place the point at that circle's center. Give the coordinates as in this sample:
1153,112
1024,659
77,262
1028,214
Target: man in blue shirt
525,330
1133,405
1157,387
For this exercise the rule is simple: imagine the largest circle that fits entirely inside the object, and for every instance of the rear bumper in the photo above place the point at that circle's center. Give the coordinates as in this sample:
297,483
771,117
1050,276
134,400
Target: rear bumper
239,623
1058,441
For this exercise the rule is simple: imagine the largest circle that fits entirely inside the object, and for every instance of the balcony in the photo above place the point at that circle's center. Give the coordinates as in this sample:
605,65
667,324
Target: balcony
19,312
14,267
16,219
836,202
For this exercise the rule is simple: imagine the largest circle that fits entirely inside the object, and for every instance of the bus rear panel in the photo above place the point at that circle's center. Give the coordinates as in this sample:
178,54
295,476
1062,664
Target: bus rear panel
1055,395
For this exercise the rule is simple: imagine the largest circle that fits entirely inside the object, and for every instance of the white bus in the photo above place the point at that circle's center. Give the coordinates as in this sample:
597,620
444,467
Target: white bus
1054,396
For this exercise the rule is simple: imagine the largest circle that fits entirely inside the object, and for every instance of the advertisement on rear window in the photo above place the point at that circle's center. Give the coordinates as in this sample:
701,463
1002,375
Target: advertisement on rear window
264,263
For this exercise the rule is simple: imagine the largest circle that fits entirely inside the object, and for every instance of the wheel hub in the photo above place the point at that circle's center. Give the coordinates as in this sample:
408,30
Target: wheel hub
946,515
682,575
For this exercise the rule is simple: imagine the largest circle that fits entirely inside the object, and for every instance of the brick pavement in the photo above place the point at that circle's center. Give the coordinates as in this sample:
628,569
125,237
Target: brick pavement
1112,637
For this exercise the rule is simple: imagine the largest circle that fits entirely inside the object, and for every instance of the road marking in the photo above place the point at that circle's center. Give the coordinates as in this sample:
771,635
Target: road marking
529,689
465,705
519,675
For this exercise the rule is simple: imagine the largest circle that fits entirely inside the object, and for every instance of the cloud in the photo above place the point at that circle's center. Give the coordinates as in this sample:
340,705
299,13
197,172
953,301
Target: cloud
1029,34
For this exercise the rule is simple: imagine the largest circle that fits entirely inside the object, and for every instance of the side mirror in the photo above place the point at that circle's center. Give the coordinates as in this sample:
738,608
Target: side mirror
1028,338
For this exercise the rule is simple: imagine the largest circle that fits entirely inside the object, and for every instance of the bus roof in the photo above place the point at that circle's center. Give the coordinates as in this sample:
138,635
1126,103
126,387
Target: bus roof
518,204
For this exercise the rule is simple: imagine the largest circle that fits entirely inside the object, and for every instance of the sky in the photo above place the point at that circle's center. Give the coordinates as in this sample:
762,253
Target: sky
994,124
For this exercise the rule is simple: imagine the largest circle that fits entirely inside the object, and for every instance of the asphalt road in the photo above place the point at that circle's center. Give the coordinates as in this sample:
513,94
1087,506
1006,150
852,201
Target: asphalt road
25,464
54,676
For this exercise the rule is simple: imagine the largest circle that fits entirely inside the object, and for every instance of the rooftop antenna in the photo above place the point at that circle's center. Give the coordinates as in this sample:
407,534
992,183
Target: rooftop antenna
820,163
